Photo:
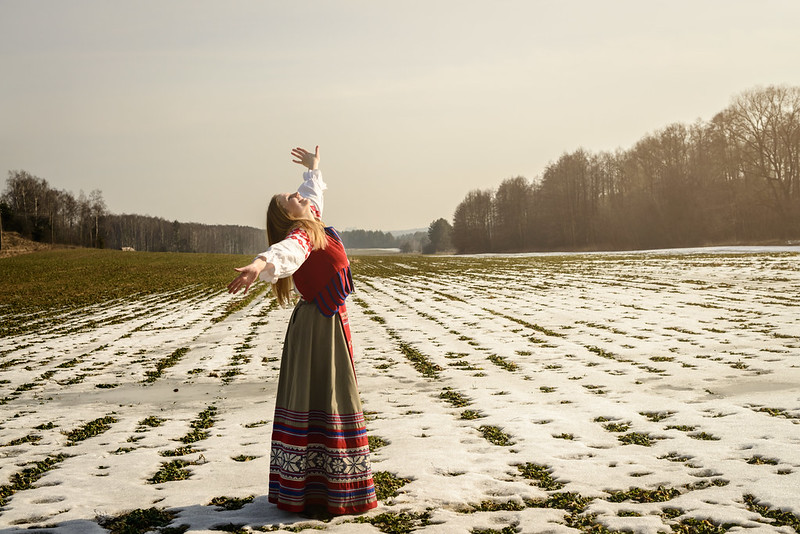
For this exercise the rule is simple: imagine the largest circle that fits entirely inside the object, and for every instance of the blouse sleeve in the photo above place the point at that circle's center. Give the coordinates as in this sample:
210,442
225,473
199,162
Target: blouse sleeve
312,187
285,257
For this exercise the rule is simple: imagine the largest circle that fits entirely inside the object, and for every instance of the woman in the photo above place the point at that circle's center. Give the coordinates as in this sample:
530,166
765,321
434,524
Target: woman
320,454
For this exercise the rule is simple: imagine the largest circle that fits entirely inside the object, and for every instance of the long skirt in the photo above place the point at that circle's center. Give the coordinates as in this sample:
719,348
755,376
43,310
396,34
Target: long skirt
320,453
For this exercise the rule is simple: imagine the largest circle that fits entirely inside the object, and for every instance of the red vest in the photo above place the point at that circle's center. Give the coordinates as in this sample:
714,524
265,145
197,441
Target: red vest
324,278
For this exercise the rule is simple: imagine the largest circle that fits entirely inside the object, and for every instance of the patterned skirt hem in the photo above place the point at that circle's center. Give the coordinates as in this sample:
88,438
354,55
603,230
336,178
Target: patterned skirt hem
353,509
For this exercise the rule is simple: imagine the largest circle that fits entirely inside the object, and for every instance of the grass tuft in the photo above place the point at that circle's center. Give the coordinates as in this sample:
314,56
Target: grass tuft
779,517
454,397
180,451
656,416
502,362
573,502
661,494
152,421
90,429
171,471
494,506
637,438
760,460
387,484
256,424
138,521
165,363
24,479
691,525
397,522
231,503
376,442
30,438
541,474
510,529
495,435
420,362
704,436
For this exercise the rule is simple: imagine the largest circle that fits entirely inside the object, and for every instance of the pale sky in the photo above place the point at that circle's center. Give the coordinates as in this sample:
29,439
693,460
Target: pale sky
188,109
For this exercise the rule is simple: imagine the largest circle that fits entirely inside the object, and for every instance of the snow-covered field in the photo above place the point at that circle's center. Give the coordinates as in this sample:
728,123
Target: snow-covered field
640,393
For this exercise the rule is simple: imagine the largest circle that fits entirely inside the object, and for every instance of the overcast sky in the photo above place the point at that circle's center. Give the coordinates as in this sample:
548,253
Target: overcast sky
188,109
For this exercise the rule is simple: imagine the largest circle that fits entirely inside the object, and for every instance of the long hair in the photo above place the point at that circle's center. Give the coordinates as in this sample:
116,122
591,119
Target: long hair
279,224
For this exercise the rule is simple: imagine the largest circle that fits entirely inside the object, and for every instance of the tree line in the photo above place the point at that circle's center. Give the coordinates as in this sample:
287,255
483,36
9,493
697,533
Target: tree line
410,242
37,211
732,179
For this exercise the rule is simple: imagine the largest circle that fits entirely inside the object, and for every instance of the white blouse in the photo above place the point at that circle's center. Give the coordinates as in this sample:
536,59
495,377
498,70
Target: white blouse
286,256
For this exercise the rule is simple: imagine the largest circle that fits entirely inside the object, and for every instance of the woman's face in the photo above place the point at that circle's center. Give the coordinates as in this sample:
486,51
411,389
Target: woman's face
295,205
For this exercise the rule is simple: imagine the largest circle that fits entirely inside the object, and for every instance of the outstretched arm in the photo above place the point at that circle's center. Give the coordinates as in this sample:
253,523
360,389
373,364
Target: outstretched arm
247,275
279,261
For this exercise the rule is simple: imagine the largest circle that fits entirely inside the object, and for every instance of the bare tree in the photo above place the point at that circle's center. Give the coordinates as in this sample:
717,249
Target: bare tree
473,223
569,208
512,212
766,123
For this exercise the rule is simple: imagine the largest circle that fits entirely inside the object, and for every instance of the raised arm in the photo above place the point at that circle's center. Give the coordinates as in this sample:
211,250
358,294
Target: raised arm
306,158
313,185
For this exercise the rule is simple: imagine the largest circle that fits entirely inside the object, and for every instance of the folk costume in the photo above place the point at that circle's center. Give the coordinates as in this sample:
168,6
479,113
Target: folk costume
320,453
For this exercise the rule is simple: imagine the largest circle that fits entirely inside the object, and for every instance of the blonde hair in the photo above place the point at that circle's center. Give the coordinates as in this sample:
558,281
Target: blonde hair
279,225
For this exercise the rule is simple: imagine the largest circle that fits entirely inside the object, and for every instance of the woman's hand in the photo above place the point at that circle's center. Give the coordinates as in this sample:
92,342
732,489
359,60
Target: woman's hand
247,276
306,158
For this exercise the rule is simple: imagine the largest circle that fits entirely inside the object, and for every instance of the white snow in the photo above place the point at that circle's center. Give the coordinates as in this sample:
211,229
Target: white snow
708,341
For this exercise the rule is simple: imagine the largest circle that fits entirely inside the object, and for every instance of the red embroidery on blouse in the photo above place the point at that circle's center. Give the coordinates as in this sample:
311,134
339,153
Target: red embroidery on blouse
315,211
301,237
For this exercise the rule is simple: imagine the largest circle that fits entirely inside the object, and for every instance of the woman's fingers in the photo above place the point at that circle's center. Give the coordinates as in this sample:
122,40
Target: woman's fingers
305,157
244,279
234,286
